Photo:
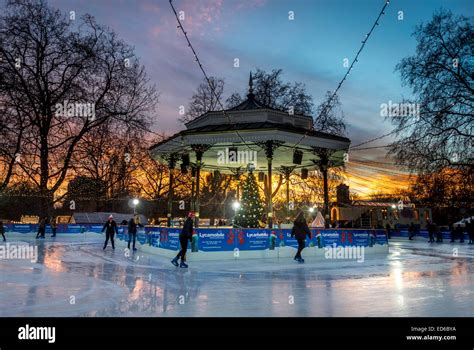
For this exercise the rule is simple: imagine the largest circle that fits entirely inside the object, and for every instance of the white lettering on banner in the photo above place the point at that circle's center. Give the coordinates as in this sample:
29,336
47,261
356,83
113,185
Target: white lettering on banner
260,234
211,235
37,333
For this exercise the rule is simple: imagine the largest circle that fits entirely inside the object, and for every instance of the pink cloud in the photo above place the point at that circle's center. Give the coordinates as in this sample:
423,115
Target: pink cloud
155,31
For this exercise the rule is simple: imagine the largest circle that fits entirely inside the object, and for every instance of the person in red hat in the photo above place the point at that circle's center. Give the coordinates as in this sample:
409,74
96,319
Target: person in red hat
185,236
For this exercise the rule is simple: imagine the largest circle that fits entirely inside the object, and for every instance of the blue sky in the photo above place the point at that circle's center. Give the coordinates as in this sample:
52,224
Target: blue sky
310,49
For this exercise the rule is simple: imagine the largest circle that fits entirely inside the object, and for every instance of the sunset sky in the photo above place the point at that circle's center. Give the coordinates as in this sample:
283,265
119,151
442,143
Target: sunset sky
310,49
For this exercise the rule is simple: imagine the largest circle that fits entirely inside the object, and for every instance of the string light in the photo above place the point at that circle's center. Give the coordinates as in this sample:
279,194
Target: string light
221,106
328,103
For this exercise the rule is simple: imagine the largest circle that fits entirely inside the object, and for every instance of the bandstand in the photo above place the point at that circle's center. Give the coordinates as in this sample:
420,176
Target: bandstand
251,135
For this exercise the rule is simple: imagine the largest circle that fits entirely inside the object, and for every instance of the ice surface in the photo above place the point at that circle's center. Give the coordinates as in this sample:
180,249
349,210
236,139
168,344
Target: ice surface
77,278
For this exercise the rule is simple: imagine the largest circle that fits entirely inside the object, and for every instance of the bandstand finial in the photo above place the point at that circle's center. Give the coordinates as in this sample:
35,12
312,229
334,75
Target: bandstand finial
250,86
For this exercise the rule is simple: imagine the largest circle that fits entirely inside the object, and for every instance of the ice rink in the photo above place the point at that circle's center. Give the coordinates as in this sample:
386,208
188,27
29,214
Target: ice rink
75,277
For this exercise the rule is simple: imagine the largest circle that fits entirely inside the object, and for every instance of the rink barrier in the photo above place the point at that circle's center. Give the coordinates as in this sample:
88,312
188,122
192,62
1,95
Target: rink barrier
229,243
423,233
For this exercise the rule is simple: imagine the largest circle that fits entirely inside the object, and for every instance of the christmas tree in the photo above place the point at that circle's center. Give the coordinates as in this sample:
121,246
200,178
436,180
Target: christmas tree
251,208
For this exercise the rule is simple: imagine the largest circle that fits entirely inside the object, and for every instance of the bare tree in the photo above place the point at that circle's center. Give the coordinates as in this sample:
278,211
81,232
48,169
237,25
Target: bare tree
69,80
441,76
271,90
329,117
204,99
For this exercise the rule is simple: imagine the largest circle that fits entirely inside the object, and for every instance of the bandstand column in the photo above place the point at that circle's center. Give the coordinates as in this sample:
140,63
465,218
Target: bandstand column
171,165
199,151
323,164
287,172
324,171
269,148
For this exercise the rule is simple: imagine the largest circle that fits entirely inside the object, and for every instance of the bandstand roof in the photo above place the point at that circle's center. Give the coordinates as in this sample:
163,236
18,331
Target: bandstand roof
244,127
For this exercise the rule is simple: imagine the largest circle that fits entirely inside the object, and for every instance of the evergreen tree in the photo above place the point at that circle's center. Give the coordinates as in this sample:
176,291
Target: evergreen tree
251,208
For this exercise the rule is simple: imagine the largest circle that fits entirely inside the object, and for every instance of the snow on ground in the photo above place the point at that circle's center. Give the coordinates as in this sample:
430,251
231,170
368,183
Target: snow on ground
75,277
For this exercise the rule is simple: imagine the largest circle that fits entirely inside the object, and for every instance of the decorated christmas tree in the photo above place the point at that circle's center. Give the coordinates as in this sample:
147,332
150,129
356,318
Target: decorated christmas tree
251,208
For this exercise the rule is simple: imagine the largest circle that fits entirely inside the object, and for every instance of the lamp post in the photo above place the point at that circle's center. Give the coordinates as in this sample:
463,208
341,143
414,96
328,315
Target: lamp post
135,202
236,207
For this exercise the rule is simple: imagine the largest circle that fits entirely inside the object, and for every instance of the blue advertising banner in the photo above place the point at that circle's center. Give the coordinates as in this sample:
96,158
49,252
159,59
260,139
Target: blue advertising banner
153,236
359,238
94,228
72,228
253,239
169,238
21,228
422,233
221,240
330,237
208,240
285,240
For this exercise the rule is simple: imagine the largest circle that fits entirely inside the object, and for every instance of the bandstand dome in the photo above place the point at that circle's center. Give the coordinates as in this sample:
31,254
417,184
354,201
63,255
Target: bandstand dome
246,127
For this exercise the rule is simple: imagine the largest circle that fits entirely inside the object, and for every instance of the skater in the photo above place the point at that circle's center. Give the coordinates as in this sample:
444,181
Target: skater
54,226
132,231
431,230
452,232
439,234
460,233
300,230
111,228
42,227
389,230
411,231
2,231
185,236
470,230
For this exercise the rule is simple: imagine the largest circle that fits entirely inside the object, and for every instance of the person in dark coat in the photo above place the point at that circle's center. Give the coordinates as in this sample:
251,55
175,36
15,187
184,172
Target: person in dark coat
300,230
2,231
431,231
470,230
110,228
388,229
42,227
132,231
54,226
185,236
460,233
439,234
453,232
411,231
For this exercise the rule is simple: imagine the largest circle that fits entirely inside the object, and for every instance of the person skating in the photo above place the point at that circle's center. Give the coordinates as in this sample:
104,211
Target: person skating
2,231
300,230
185,236
411,230
460,233
431,230
42,227
439,234
110,228
388,230
470,230
452,231
54,226
132,232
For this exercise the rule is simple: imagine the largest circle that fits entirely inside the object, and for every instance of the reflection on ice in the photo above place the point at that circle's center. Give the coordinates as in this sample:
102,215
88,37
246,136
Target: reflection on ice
79,279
